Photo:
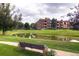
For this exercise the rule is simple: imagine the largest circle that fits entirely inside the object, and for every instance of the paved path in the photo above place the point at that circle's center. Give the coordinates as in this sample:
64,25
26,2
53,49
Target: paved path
58,52
9,43
65,53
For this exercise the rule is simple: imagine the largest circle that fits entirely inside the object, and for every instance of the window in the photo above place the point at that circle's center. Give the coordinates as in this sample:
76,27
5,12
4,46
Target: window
65,23
45,21
45,24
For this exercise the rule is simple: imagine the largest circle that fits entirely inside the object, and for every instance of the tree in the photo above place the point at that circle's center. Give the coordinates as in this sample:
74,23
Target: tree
76,26
20,25
17,21
27,26
6,13
53,23
74,17
33,26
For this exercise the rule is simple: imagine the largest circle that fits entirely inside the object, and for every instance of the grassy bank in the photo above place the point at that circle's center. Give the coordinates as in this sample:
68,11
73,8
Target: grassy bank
72,33
65,46
6,50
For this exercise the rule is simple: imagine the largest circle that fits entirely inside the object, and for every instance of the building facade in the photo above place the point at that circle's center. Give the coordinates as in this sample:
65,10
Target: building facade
63,24
46,24
43,23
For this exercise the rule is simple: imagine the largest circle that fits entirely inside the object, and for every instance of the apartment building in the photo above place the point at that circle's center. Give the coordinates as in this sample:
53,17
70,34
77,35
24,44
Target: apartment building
63,24
43,23
46,24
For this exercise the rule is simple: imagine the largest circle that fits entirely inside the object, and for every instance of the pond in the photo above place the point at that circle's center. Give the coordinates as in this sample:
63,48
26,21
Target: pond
65,38
47,37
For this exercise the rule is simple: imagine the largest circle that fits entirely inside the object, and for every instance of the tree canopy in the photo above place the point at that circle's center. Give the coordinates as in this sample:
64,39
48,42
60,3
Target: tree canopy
6,20
53,23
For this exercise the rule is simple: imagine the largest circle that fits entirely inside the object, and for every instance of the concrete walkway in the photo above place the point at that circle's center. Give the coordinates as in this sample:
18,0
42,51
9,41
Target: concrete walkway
9,43
65,53
58,52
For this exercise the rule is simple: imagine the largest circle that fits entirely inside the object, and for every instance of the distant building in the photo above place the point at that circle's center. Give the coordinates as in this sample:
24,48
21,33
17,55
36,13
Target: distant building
43,23
63,24
46,24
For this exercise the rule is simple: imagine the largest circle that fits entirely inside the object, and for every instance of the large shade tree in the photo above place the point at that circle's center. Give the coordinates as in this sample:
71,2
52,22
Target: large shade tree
74,17
6,14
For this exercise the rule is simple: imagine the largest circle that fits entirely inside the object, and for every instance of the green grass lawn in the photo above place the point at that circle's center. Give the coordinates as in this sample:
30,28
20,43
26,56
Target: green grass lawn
72,33
65,46
7,50
54,44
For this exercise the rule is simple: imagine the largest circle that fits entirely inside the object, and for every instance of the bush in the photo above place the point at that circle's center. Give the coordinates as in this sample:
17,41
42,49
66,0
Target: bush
51,53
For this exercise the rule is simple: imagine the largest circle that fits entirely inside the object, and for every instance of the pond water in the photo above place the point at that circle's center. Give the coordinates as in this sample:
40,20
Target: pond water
66,39
49,37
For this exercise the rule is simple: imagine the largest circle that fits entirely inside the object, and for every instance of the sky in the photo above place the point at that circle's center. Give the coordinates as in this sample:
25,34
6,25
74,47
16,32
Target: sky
32,12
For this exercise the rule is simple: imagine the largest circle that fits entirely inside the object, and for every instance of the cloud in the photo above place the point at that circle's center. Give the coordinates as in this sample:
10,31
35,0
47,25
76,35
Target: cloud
33,11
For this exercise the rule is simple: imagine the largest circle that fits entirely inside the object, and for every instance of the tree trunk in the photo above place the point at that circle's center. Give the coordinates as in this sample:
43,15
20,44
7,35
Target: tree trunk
3,31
